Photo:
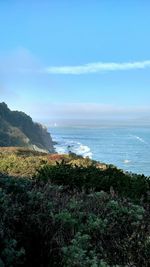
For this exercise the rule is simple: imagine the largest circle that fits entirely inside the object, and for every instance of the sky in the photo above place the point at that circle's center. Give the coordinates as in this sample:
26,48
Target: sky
76,60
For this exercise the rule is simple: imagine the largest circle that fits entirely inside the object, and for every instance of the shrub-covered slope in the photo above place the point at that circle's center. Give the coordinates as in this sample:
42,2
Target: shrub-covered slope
18,129
66,211
47,225
24,162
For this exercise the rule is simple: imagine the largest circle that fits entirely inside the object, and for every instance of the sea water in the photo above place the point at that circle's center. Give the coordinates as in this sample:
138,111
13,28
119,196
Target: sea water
126,147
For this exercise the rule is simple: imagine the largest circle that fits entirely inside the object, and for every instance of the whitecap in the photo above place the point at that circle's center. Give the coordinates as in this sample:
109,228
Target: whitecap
65,146
82,150
126,161
139,139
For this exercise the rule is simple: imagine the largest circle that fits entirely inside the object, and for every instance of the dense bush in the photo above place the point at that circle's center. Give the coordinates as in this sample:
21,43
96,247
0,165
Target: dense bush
73,212
48,225
91,177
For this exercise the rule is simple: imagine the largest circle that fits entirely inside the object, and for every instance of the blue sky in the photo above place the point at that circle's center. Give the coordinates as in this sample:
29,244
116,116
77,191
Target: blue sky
71,60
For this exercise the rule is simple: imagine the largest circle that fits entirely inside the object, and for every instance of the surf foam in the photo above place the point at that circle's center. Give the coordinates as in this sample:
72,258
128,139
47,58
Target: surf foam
64,146
139,139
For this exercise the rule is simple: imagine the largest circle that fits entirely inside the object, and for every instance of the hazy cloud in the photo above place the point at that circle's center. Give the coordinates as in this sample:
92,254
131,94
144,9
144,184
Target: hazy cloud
98,67
20,74
6,93
19,60
84,111
22,61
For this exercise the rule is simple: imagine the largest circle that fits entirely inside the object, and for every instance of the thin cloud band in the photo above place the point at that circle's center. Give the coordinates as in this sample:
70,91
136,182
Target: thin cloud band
98,67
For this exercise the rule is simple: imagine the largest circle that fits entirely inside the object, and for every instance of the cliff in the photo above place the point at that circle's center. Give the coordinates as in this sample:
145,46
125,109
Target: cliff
18,129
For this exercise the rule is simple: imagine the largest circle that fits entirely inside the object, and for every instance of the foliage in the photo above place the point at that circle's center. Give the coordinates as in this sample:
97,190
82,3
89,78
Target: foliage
66,211
42,224
91,177
19,161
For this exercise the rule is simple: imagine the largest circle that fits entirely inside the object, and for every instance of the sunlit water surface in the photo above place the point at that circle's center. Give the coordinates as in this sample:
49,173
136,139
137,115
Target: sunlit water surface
126,147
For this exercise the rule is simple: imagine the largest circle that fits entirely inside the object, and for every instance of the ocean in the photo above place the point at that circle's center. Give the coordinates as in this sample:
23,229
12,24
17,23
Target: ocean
126,147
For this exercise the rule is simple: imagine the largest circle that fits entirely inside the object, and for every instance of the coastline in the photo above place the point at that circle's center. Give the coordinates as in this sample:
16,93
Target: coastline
122,147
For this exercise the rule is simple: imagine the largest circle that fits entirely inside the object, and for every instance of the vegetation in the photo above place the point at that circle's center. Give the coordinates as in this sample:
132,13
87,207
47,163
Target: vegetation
24,162
91,177
18,129
63,210
48,225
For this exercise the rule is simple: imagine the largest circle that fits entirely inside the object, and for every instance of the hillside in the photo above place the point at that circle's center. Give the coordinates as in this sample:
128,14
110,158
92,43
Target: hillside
18,129
67,211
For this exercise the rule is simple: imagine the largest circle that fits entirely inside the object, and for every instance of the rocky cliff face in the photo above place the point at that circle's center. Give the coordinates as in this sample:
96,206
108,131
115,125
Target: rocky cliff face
46,137
18,129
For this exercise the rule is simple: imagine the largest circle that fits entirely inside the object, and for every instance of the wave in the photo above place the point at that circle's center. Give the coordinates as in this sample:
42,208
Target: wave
64,146
126,161
139,139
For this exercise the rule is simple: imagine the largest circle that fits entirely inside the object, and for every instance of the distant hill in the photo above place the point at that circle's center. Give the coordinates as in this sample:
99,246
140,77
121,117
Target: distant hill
18,129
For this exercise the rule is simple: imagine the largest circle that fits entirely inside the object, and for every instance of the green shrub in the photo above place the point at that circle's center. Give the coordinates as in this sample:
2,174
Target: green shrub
91,177
49,225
